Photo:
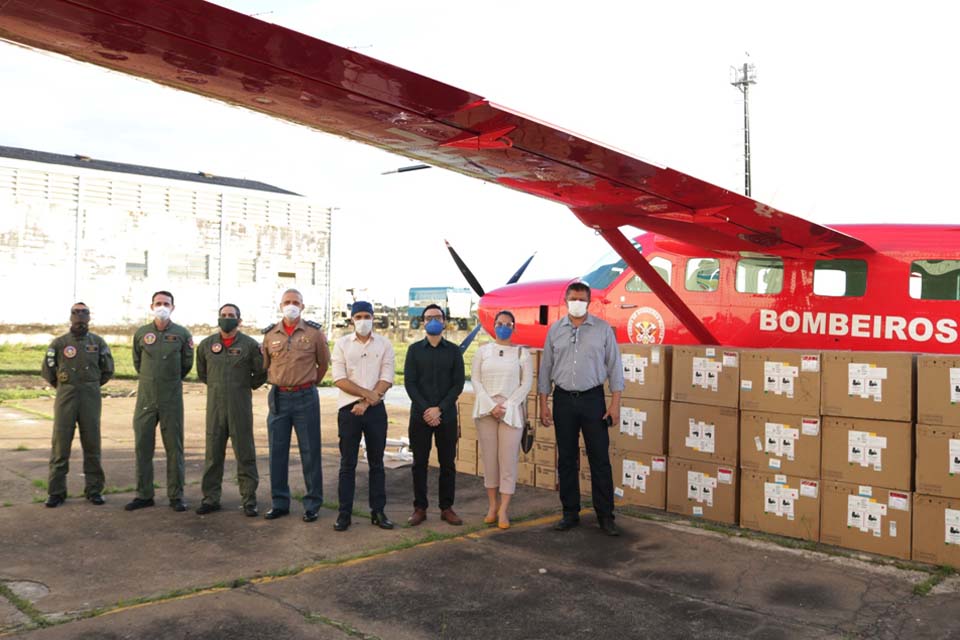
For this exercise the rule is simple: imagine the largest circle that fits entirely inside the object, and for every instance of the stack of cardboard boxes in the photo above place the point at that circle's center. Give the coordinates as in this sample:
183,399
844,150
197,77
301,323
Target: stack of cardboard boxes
638,444
468,450
780,442
867,407
704,436
936,505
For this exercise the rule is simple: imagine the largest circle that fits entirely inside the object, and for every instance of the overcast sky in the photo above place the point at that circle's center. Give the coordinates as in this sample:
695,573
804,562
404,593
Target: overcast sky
854,119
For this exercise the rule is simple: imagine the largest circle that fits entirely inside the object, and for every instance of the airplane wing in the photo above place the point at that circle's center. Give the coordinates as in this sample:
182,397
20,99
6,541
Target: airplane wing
212,51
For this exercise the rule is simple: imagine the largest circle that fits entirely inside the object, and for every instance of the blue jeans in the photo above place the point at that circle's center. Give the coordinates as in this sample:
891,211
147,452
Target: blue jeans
300,411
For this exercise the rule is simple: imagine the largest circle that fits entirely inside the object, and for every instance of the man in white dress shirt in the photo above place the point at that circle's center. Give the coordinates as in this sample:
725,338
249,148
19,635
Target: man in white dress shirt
363,368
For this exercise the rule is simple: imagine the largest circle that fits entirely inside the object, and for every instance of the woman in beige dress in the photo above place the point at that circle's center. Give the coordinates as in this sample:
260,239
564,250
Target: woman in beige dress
502,375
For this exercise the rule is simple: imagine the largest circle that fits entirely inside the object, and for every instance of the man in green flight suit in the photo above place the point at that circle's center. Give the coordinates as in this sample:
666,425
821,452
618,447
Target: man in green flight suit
231,365
77,364
163,356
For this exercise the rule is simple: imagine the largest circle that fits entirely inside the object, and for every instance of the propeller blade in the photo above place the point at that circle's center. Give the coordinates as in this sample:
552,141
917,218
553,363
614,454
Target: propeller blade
473,334
515,277
471,280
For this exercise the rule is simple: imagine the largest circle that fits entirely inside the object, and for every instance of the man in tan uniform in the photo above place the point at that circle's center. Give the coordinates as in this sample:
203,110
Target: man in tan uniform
296,357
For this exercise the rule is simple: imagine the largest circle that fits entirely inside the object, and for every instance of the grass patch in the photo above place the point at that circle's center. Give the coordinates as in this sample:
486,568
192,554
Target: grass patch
40,484
6,395
8,504
37,414
38,499
25,607
22,447
316,618
939,575
111,490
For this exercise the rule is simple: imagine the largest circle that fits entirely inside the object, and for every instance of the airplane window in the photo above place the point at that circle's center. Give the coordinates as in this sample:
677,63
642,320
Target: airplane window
760,274
606,270
840,278
661,265
935,279
703,274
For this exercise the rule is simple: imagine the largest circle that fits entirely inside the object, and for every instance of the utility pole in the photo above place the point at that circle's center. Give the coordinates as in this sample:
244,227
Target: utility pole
742,78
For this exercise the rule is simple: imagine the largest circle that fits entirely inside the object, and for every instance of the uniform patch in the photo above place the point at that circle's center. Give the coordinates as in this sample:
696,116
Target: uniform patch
171,338
51,353
92,348
63,376
234,351
150,338
305,339
69,351
216,347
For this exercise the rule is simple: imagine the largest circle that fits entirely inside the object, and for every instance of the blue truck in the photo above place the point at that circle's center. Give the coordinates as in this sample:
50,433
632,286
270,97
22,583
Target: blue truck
457,304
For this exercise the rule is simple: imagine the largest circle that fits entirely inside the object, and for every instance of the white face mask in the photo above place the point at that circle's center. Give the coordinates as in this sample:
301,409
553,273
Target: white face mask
161,313
577,308
364,326
291,312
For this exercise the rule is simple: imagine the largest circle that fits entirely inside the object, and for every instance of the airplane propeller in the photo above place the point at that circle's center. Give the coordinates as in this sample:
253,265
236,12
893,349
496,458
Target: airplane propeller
475,285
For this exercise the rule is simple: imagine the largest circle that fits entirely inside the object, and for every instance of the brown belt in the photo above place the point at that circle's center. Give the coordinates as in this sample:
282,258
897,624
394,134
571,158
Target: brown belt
299,387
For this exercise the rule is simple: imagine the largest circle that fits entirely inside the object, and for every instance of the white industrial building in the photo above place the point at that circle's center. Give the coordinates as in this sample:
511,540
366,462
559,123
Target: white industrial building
109,234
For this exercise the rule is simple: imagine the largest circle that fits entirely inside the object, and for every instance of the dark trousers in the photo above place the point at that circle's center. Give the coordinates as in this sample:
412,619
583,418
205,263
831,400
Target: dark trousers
421,439
573,414
372,425
300,411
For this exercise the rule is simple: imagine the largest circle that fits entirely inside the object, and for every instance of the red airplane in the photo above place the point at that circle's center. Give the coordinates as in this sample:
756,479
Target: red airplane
716,267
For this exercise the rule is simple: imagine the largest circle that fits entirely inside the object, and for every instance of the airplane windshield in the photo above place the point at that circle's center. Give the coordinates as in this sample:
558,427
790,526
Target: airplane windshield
605,270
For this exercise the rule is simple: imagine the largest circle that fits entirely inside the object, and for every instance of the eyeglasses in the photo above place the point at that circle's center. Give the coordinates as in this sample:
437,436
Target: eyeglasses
429,318
79,312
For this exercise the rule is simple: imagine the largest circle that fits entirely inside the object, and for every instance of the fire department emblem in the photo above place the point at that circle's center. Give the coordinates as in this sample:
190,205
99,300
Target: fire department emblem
69,351
645,326
216,347
150,338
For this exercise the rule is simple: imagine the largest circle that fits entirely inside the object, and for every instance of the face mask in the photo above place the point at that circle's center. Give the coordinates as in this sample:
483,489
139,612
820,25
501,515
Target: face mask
503,332
79,329
434,327
291,312
363,327
161,313
227,325
577,308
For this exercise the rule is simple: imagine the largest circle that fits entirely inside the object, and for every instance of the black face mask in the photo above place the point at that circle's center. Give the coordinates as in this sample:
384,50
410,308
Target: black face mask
228,324
79,329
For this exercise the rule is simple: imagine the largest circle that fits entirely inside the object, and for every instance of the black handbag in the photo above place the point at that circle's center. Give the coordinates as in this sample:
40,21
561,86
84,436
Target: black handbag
526,441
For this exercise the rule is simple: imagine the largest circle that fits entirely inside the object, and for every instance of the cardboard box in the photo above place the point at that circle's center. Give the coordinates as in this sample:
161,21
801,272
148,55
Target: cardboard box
860,384
467,466
938,460
434,459
467,450
936,530
586,485
703,490
639,478
938,390
526,457
866,518
780,380
780,443
706,375
780,504
546,477
871,452
646,371
701,432
526,474
643,426
583,463
468,428
544,454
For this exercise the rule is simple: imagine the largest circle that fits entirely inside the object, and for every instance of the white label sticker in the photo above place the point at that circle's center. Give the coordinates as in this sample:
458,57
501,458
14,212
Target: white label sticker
710,352
954,456
701,436
810,426
659,464
779,377
808,488
893,528
618,491
866,380
780,478
655,355
954,385
951,519
628,361
698,511
810,363
746,385
725,476
640,369
899,501
757,441
706,373
865,514
779,499
629,474
730,359
865,491
774,463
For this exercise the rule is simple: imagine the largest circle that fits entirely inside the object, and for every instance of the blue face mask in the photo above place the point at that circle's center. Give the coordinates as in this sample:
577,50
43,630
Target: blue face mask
503,332
434,327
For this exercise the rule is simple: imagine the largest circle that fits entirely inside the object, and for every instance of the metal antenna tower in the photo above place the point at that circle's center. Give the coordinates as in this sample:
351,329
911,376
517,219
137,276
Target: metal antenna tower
742,77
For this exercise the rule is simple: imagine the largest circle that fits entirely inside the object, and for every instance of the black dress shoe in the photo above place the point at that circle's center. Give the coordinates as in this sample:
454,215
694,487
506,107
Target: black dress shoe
566,523
275,513
206,508
310,515
342,523
138,503
54,501
250,510
380,519
608,527
96,498
178,505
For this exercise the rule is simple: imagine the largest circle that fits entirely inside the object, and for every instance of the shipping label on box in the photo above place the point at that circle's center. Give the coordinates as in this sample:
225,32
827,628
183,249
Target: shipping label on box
866,380
634,368
779,377
706,373
869,452
702,436
632,421
866,514
866,449
951,519
779,500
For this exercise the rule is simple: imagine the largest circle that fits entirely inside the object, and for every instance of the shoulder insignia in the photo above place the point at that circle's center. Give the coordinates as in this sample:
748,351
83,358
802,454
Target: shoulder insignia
315,325
268,329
